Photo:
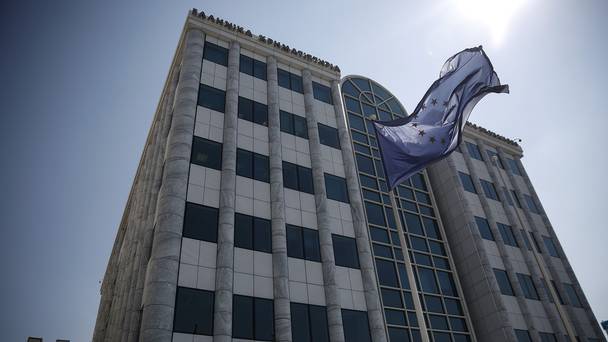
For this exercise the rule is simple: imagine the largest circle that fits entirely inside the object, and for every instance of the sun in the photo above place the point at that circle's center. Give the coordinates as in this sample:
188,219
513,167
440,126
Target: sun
494,14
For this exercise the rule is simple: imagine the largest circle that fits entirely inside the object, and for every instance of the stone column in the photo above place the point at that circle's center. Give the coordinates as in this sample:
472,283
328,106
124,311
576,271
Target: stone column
280,269
372,296
224,273
161,274
334,310
521,300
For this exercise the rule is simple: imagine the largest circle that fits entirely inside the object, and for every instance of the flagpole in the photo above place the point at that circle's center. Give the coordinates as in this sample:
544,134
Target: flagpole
410,271
543,270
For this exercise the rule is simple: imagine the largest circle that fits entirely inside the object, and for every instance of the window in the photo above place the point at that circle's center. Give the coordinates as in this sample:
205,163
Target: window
503,282
524,234
193,311
303,243
252,165
391,298
290,81
297,178
252,233
398,335
356,326
489,189
336,188
516,199
308,323
375,214
536,243
252,318
473,151
413,224
453,306
522,335
527,286
215,53
427,280
572,296
467,182
531,204
547,337
206,153
559,296
294,124
329,136
345,251
507,234
211,98
386,273
253,67
321,92
550,246
498,160
508,197
253,111
484,228
513,167
365,164
446,282
200,222
433,304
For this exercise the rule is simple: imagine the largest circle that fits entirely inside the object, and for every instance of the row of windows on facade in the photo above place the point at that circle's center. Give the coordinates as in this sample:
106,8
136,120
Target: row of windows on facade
490,192
524,336
255,233
529,289
253,318
475,153
257,112
508,236
251,66
256,166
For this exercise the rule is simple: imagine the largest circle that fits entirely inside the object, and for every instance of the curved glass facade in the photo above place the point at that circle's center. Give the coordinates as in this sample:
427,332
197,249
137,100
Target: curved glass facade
442,304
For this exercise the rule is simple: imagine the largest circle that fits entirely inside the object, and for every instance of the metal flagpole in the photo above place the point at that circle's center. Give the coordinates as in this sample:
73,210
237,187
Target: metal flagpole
410,271
543,270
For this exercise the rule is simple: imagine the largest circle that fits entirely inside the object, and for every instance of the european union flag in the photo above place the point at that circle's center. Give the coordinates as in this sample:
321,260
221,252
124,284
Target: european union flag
434,129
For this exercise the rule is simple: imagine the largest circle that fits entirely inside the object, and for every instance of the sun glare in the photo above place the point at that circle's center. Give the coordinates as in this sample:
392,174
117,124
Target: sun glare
494,14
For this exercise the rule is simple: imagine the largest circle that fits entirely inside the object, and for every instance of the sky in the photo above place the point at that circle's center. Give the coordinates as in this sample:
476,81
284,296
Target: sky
80,81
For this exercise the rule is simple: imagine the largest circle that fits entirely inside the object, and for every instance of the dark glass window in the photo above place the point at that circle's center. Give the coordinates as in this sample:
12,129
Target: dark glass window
329,136
297,178
441,337
550,246
356,122
200,222
365,164
253,67
484,228
380,235
513,167
489,189
375,214
386,273
345,251
499,161
303,243
309,323
413,224
321,92
215,54
437,247
398,335
206,153
516,199
193,311
433,304
391,298
453,306
438,322
507,234
336,188
467,182
508,197
474,151
446,281
523,335
527,286
419,244
503,282
290,81
211,98
252,165
252,318
396,317
427,280
356,326
294,124
531,204
526,239
536,243
431,228
547,337
253,111
572,296
559,296
252,233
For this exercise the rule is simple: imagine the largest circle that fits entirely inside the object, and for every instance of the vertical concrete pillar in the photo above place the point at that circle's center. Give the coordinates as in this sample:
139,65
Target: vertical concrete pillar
280,270
161,274
521,300
222,315
334,310
372,296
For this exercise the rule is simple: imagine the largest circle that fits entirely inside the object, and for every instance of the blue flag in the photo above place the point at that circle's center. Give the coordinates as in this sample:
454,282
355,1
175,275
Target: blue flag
434,129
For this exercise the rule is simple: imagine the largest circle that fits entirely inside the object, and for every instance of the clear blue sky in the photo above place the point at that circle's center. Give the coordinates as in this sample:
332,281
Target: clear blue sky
80,81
